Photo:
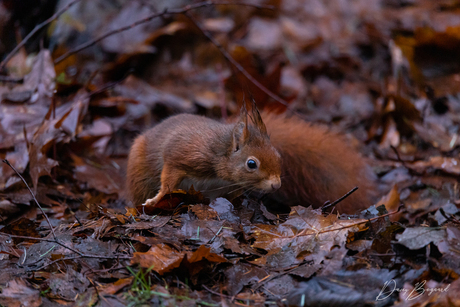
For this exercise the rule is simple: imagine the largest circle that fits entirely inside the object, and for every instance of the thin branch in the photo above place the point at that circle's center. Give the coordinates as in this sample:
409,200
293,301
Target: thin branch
349,226
277,275
109,85
35,30
33,196
326,206
404,163
80,254
26,237
166,12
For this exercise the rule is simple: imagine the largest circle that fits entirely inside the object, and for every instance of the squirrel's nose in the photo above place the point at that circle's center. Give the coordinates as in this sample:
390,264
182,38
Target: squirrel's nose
276,186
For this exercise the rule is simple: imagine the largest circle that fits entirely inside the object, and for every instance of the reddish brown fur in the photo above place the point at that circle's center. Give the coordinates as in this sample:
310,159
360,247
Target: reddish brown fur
190,149
318,165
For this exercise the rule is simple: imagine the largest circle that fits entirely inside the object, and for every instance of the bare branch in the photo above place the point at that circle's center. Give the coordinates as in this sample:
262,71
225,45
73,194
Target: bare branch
166,12
303,233
327,204
35,30
33,196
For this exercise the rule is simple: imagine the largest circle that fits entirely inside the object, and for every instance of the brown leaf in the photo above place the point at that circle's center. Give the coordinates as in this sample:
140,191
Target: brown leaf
306,232
8,209
22,227
161,258
391,202
391,136
171,202
113,288
241,274
445,164
159,221
39,84
149,96
52,131
204,212
437,136
133,40
264,34
204,252
18,294
100,174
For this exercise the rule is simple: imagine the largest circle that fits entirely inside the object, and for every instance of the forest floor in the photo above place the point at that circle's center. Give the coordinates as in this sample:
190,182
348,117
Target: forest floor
94,74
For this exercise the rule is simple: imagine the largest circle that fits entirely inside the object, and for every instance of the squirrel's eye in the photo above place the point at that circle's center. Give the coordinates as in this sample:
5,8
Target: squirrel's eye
251,164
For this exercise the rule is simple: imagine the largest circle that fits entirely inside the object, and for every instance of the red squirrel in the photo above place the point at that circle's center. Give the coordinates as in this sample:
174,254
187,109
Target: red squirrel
218,159
295,162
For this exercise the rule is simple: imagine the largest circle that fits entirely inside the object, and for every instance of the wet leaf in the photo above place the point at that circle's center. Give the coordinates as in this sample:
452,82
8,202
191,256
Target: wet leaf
418,237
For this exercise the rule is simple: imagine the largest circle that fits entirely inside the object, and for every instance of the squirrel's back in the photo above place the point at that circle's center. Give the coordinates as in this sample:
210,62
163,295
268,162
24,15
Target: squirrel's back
318,165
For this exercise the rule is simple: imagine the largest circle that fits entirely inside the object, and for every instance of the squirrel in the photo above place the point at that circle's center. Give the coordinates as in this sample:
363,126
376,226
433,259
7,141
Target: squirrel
218,159
294,162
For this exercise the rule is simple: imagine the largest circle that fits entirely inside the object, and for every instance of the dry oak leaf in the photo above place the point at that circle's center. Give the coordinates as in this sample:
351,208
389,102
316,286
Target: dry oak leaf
54,131
113,288
161,258
204,252
306,232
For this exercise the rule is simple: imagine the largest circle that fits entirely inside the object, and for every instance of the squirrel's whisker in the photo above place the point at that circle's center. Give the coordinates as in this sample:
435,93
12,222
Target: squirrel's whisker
227,186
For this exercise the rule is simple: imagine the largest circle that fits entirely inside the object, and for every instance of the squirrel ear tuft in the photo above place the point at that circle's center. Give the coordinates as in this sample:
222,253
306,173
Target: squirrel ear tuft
257,119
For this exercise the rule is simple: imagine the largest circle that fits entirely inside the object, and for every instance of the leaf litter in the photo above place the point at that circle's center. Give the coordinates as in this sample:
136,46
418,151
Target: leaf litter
384,71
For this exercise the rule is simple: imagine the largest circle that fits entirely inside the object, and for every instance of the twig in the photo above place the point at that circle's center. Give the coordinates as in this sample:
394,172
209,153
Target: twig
270,277
80,254
349,226
404,163
33,196
57,260
218,232
95,288
232,298
182,10
35,30
105,270
326,206
26,237
109,85
216,293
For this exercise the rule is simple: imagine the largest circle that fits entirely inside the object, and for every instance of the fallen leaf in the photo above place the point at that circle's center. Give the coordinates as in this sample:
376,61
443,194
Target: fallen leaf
18,294
418,237
161,258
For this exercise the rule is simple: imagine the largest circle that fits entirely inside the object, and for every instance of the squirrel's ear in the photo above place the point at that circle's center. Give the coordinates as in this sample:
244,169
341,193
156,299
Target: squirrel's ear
257,119
241,131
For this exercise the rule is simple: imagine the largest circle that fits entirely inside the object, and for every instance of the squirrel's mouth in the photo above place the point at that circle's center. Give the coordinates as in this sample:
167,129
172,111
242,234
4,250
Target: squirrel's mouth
270,185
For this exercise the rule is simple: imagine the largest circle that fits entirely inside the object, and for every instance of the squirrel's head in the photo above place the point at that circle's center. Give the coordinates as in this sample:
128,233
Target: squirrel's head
256,163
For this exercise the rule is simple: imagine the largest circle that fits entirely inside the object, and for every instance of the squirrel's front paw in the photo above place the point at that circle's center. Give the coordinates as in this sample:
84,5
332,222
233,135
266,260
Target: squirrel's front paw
152,201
